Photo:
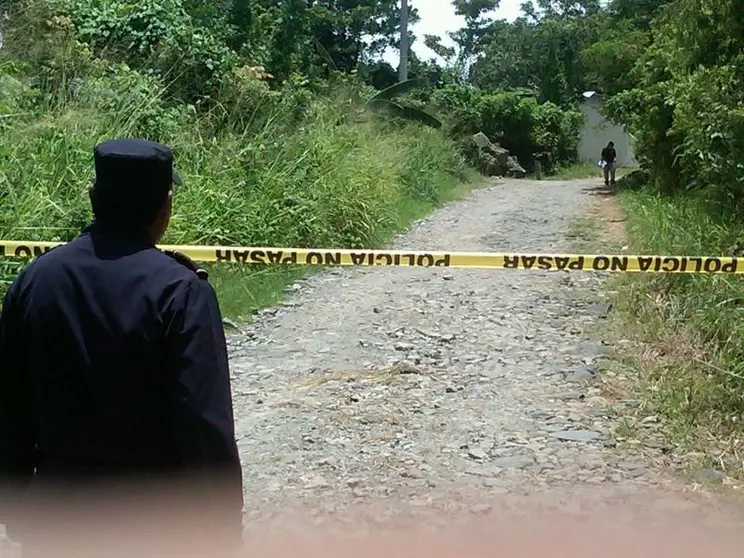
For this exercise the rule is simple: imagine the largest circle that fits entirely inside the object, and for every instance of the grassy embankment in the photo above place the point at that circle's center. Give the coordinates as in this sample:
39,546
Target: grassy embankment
687,331
314,180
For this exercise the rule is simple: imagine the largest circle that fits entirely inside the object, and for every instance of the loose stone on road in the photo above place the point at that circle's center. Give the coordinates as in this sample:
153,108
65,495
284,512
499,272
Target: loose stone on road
405,392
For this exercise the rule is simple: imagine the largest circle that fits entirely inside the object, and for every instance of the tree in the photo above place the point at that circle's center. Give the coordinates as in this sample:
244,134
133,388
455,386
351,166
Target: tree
560,9
508,60
313,37
685,102
540,51
379,74
469,37
405,44
635,14
341,27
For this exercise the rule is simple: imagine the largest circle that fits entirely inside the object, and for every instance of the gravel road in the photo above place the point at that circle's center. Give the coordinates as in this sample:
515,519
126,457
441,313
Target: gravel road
404,394
392,397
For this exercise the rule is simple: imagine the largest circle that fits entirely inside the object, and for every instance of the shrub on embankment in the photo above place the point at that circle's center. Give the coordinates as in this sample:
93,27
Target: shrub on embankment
514,119
262,166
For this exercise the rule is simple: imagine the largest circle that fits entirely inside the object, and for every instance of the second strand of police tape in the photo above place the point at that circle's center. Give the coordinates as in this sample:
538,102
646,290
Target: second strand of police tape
400,258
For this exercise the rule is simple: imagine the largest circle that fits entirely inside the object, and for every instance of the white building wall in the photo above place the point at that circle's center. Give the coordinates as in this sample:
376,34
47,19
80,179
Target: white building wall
598,132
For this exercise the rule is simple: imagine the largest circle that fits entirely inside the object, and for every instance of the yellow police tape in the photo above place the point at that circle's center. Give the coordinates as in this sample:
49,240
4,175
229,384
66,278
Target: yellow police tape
416,258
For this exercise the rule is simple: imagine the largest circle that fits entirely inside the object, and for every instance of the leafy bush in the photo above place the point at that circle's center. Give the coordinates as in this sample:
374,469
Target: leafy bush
685,103
154,35
555,131
125,30
515,120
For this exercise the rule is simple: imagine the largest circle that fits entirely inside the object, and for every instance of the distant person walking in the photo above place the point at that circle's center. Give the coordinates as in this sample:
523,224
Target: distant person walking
609,156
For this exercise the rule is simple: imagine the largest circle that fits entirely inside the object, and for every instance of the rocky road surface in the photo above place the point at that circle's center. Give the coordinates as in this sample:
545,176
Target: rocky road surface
376,396
383,397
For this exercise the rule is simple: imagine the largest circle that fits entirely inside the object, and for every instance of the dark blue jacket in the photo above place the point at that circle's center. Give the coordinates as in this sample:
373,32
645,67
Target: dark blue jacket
113,362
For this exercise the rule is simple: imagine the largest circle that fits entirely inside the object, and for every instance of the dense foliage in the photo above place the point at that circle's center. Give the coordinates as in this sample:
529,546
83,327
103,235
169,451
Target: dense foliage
518,122
671,69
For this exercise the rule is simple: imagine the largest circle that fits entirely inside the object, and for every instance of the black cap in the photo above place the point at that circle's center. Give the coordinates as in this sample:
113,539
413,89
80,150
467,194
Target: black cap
133,175
134,164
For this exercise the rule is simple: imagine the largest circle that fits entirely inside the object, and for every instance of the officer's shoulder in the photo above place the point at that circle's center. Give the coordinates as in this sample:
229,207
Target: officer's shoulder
44,259
38,266
39,254
48,251
186,267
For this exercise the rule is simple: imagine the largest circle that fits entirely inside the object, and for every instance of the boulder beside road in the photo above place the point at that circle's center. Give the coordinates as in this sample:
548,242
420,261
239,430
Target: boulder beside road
492,158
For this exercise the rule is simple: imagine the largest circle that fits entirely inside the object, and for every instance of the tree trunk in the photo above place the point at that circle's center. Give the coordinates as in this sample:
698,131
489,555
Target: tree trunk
403,68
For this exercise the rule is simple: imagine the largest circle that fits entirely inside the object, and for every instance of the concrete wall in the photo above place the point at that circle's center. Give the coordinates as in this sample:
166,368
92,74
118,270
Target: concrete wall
598,131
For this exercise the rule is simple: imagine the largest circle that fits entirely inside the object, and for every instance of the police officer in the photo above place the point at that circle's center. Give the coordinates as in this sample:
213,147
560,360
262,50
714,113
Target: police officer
116,421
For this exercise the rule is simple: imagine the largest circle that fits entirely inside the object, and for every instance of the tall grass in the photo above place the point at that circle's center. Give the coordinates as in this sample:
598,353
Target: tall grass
696,323
283,171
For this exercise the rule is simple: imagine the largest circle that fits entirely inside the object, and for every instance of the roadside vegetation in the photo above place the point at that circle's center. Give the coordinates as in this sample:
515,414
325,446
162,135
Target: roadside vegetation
683,100
287,128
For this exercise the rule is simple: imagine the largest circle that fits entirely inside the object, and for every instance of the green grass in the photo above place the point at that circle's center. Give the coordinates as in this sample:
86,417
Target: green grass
576,171
264,168
583,232
243,290
692,372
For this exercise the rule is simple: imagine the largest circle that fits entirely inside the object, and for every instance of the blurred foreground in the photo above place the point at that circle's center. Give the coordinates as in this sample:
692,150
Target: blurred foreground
648,525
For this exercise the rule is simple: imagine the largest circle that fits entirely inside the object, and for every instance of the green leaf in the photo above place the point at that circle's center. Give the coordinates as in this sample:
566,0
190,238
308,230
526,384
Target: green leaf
414,114
397,89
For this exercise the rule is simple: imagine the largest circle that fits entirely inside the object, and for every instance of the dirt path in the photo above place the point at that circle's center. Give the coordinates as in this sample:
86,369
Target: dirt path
438,394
